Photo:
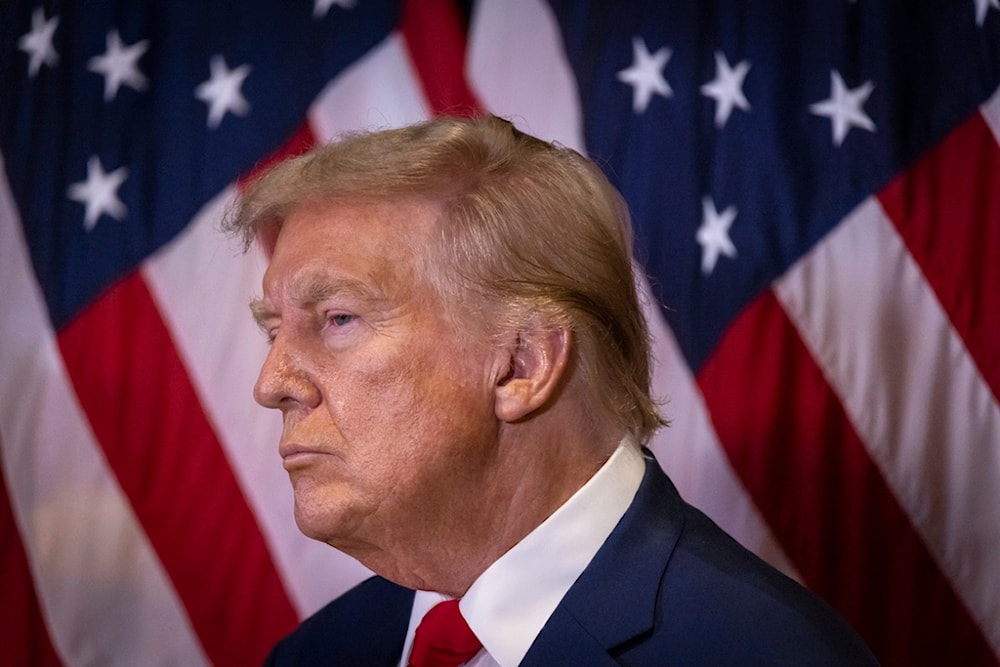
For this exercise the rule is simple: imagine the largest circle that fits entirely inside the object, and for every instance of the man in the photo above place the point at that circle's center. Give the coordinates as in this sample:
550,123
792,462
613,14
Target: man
462,365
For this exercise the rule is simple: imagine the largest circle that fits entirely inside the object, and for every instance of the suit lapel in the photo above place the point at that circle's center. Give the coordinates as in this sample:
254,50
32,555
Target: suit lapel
614,599
564,641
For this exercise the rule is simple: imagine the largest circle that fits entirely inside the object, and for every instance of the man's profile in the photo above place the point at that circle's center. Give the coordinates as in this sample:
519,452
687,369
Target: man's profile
463,369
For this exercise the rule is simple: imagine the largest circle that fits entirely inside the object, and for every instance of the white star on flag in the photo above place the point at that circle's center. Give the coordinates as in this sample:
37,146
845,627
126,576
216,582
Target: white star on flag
713,235
222,91
119,64
843,107
983,6
645,75
727,88
322,7
99,192
38,42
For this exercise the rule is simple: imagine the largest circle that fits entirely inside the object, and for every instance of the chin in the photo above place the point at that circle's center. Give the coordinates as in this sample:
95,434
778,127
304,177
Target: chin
326,522
312,523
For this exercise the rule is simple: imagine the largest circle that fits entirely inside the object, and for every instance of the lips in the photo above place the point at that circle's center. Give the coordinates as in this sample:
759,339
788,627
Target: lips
294,455
287,449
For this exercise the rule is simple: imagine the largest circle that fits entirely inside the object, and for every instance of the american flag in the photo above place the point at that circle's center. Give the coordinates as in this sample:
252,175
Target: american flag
816,193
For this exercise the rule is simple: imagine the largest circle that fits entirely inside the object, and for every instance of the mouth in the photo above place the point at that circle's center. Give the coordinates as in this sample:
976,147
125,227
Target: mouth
294,455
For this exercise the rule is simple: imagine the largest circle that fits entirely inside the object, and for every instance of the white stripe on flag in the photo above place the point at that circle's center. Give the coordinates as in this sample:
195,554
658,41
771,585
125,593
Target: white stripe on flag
378,91
104,594
223,351
991,112
864,310
517,67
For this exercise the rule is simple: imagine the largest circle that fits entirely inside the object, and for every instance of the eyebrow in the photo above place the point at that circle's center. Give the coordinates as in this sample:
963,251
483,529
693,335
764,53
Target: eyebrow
260,312
313,289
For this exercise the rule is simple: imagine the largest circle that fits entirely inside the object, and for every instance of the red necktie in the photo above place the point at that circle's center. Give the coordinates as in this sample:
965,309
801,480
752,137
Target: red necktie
443,638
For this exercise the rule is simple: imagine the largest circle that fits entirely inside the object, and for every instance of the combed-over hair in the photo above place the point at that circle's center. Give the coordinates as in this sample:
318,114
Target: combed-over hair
532,229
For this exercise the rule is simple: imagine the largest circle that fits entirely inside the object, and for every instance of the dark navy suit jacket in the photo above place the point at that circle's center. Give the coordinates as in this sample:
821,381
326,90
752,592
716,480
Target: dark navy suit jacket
668,587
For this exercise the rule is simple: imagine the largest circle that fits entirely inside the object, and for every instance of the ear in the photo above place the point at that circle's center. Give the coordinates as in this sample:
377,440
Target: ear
537,361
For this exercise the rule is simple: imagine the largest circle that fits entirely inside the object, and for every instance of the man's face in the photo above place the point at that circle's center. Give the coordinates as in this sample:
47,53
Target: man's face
389,426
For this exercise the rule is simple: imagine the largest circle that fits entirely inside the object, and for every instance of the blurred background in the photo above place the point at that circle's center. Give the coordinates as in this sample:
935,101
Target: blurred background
815,189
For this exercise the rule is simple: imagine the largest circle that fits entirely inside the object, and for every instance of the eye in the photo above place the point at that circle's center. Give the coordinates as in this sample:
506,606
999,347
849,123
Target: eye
340,319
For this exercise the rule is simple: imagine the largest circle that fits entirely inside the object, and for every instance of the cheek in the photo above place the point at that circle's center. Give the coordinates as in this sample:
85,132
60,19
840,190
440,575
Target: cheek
415,432
425,398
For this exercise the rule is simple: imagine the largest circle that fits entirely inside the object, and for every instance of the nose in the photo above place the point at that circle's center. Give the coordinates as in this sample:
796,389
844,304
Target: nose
283,381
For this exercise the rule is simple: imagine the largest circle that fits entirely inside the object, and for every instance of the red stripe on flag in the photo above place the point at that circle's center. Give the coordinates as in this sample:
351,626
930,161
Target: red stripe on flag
147,417
23,632
435,36
805,467
947,210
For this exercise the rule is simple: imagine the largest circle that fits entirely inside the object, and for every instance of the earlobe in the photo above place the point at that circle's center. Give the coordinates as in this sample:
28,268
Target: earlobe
537,362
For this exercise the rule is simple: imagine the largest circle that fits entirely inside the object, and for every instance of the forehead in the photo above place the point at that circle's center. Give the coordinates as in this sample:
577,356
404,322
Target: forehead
360,243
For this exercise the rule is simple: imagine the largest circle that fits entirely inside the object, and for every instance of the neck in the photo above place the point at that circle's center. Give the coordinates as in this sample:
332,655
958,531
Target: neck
538,465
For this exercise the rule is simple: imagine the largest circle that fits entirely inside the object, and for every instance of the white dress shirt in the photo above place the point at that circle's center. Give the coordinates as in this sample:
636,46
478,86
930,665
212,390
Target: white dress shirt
510,602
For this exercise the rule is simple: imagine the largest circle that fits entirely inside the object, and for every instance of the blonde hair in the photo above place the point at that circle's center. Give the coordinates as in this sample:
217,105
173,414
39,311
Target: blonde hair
532,229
